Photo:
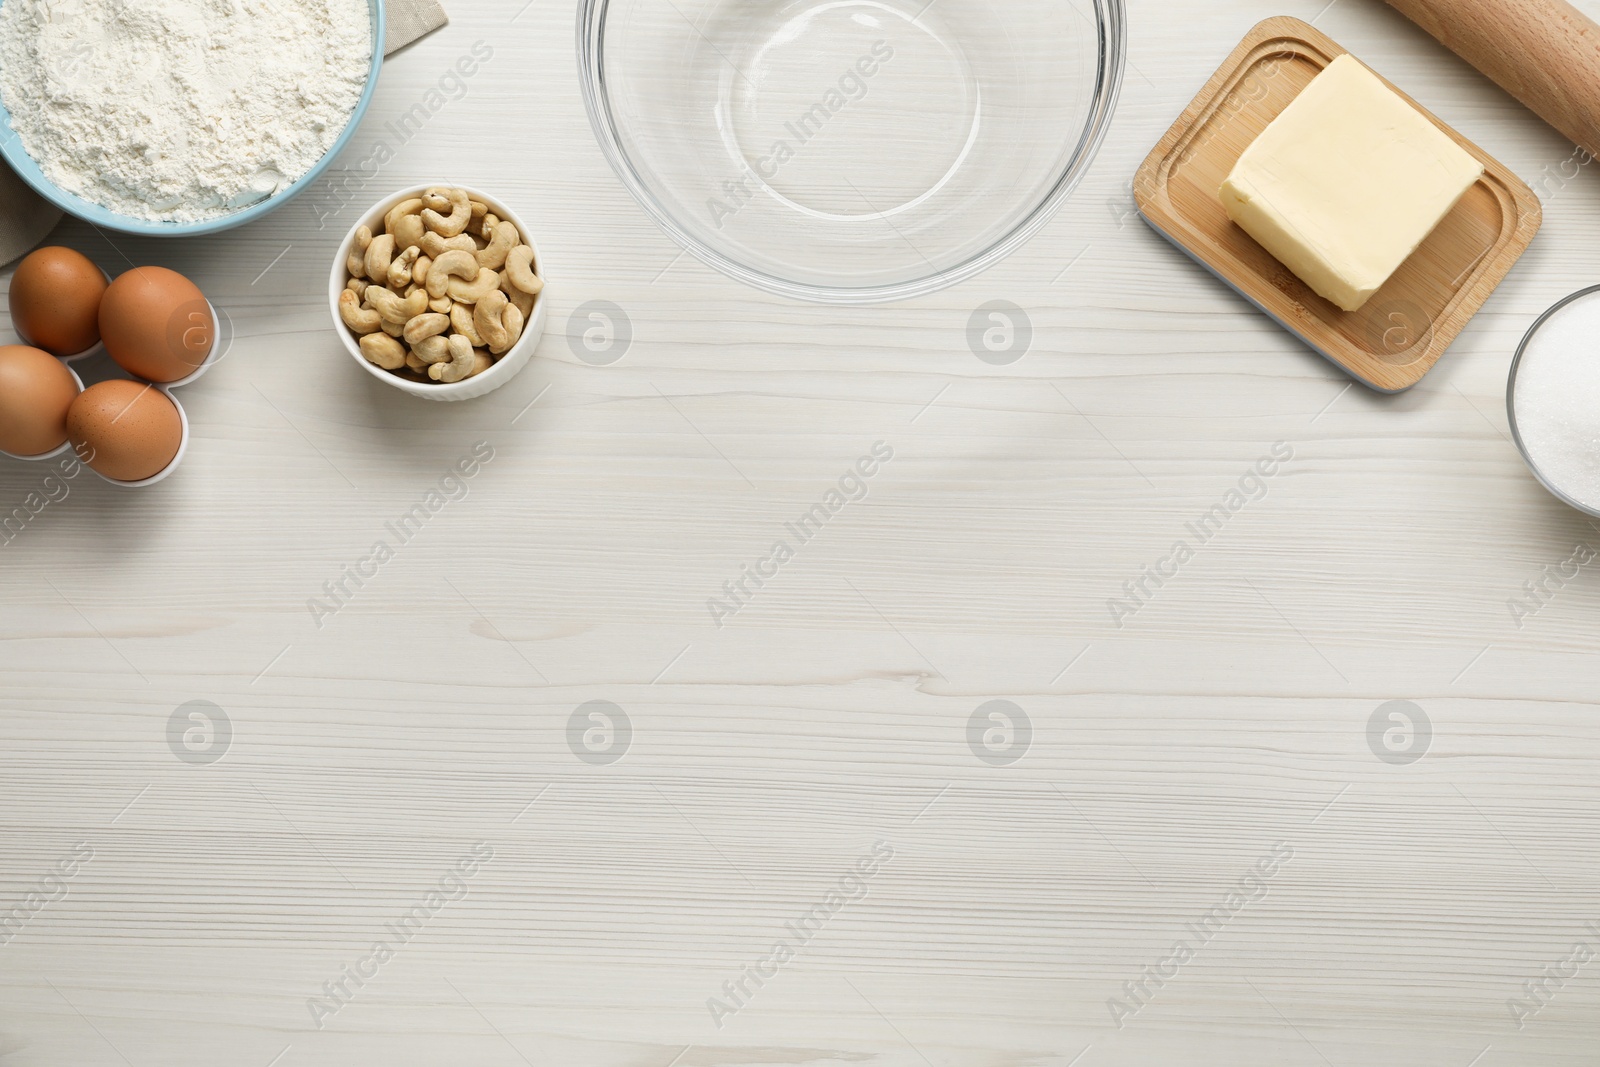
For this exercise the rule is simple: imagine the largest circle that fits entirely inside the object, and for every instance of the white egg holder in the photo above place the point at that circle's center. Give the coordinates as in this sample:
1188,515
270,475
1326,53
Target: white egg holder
505,368
164,387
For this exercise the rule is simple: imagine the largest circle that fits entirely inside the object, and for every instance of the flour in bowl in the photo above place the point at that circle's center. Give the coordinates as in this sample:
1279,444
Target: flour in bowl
181,110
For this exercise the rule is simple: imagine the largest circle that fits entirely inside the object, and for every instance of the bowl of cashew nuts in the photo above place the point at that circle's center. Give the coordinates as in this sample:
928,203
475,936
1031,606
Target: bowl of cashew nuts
437,291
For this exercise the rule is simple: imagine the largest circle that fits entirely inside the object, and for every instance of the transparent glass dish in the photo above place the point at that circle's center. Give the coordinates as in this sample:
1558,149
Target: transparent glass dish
850,151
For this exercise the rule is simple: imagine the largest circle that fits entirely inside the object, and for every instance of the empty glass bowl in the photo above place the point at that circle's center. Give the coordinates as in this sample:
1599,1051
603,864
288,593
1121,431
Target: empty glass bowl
850,151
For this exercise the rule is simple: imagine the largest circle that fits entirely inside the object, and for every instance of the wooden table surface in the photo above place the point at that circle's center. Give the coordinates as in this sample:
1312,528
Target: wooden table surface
1194,833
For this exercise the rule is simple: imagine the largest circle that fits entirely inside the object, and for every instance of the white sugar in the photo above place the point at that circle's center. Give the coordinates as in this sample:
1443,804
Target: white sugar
1557,399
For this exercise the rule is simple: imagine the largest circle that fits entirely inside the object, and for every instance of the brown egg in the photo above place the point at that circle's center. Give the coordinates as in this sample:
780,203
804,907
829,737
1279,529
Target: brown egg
36,389
55,300
156,324
128,431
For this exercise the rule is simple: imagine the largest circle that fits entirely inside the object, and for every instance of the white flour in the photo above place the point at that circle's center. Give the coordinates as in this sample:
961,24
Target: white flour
181,109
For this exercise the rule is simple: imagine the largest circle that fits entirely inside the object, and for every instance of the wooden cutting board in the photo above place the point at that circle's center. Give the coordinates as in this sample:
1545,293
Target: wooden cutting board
1401,332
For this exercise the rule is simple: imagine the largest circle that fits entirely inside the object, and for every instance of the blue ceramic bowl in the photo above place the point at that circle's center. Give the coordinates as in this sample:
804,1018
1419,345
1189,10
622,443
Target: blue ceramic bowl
13,152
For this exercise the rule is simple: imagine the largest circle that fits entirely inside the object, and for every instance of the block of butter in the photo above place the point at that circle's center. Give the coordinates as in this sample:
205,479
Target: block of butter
1346,182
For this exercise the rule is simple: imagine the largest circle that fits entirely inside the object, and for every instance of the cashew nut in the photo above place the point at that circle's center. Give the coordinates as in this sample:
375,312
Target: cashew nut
479,209
435,200
435,349
455,263
441,304
484,227
523,302
361,320
356,285
356,261
425,326
465,292
409,231
383,350
511,319
415,364
486,318
400,267
393,329
419,269
498,321
393,307
436,246
502,239
461,363
379,252
519,264
461,322
392,217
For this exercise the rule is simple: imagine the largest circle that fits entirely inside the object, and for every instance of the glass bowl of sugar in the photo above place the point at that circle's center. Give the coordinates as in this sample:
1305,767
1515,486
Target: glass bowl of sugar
1554,399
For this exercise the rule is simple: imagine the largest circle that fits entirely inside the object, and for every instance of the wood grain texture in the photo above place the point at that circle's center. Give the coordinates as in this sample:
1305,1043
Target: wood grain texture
1398,335
1168,756
1546,53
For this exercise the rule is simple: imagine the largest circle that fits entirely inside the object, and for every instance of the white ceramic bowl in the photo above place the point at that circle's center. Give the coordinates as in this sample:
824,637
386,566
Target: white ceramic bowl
505,368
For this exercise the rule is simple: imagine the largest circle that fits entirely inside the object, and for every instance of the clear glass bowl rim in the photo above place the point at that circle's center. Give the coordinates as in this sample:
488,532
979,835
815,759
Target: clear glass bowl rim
1110,26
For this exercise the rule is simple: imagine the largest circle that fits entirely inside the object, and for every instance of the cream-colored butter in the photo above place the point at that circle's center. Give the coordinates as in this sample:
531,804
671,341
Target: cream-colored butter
1346,182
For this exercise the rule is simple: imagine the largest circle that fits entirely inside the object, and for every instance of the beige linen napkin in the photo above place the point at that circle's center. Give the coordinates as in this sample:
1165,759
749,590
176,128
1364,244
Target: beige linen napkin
407,20
26,217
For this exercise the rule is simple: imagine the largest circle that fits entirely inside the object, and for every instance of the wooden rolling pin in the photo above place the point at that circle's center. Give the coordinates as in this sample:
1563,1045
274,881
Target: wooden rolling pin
1546,53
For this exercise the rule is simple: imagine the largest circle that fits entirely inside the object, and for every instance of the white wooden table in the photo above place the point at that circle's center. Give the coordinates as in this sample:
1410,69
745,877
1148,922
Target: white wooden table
212,907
